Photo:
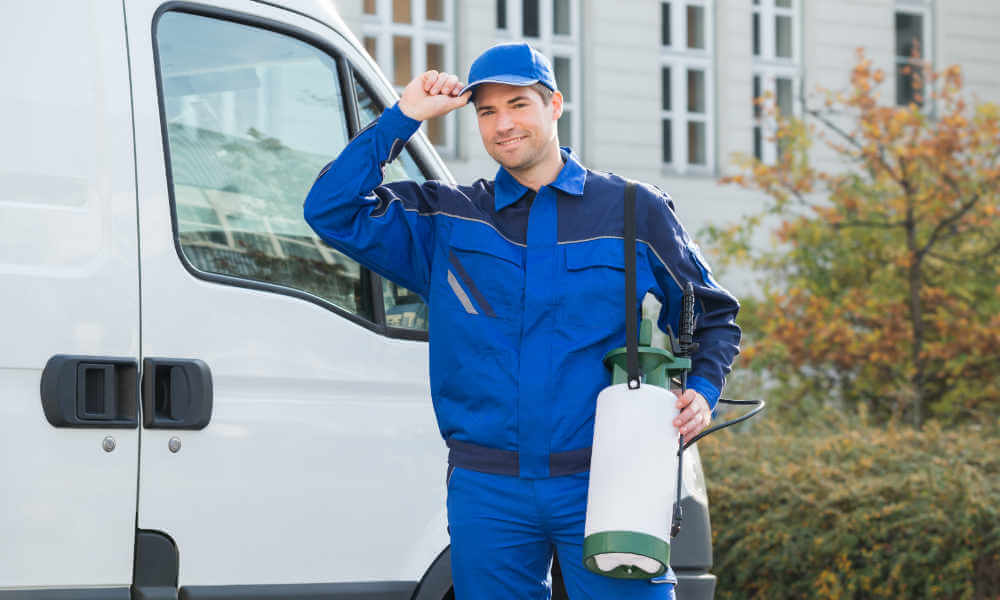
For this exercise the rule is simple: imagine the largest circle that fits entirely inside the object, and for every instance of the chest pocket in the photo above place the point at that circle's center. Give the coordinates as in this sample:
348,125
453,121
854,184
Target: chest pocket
594,287
485,272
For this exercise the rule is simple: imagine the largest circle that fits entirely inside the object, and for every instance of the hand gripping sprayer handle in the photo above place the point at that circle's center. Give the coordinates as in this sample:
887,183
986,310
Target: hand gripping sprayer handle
686,347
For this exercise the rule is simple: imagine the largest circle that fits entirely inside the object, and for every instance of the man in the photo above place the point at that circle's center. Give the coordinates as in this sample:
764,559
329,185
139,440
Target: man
524,278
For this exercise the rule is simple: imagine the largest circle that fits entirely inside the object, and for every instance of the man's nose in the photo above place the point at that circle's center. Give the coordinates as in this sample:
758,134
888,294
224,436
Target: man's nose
504,122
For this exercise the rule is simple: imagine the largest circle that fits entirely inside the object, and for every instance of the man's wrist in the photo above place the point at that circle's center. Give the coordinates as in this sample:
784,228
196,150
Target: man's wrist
410,114
706,388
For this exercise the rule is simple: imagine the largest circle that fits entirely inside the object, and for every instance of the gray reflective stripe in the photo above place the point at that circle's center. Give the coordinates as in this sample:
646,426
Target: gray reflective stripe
476,294
462,296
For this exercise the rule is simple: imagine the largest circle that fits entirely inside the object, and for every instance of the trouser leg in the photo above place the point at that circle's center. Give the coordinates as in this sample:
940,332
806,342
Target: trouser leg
565,499
499,551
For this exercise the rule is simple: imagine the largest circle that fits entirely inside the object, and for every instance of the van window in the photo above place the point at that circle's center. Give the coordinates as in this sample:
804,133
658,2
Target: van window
403,308
251,117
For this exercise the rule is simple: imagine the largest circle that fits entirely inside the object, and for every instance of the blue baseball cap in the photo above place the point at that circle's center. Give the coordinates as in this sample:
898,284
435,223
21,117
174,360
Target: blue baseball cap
512,64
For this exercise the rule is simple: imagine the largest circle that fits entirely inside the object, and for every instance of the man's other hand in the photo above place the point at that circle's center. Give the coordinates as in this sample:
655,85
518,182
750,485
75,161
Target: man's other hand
431,95
695,414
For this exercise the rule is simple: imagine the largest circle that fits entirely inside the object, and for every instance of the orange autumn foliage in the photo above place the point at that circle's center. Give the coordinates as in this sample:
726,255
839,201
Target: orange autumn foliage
883,285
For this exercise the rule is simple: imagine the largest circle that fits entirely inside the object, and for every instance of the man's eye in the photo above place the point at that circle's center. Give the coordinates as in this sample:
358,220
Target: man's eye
520,105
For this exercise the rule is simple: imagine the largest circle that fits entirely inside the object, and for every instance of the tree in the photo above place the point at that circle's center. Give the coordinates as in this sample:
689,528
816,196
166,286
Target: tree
883,288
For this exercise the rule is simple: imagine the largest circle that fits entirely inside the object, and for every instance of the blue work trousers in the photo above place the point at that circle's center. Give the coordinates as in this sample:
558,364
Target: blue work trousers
504,529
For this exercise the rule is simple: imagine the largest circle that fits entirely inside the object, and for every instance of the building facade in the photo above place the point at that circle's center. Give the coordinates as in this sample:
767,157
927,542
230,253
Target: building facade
662,91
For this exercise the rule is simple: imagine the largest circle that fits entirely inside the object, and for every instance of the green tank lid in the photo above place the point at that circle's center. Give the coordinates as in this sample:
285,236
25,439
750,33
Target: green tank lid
658,365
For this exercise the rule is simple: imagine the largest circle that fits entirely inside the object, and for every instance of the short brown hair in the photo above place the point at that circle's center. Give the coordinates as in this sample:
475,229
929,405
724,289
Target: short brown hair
543,91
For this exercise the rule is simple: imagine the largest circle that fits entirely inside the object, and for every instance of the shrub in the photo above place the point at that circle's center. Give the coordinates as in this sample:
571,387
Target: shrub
851,511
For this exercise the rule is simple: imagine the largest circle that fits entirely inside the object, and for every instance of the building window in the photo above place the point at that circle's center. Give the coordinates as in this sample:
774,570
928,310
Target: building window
686,85
551,27
776,68
912,25
408,37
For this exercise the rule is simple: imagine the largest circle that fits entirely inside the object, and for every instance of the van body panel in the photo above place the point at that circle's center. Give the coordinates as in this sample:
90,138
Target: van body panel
322,461
69,271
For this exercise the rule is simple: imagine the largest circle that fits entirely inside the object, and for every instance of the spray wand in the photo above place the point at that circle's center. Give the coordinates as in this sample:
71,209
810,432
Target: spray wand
685,346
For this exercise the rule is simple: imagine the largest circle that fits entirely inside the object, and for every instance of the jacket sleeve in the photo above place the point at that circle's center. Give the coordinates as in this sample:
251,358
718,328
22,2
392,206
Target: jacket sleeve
676,260
387,228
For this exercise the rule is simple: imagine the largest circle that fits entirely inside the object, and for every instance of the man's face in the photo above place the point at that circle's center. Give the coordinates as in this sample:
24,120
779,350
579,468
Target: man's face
517,127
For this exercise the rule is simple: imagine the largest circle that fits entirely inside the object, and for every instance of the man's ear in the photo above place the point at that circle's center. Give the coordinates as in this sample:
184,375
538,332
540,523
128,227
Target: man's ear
557,105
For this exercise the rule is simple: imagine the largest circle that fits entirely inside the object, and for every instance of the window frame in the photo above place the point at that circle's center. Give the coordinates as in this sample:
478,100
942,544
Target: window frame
769,11
354,126
920,8
680,59
768,126
347,68
770,67
421,32
552,45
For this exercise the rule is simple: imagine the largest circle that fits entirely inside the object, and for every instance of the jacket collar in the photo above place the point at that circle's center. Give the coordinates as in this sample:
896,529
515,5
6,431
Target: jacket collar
571,180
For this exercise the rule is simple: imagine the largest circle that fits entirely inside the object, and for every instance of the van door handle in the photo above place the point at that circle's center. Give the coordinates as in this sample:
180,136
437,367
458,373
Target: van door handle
176,393
90,391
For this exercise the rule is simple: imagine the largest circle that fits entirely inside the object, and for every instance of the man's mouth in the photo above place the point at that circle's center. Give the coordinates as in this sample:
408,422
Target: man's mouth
511,141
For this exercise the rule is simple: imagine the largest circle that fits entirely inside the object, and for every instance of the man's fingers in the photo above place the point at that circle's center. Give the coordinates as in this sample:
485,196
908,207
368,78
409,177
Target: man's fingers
684,417
460,101
432,94
449,85
691,422
685,398
694,414
430,78
694,426
441,80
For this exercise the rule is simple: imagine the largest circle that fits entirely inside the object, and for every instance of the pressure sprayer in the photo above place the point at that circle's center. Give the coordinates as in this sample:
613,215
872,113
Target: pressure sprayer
637,456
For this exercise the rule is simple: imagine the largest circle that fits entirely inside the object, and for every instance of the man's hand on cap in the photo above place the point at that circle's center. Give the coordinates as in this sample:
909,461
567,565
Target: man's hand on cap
432,94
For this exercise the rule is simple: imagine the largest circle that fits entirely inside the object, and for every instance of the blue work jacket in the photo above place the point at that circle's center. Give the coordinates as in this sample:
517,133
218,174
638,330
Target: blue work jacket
525,292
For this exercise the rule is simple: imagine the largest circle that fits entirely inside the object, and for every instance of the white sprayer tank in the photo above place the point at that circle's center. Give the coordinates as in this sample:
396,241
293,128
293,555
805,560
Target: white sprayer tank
633,482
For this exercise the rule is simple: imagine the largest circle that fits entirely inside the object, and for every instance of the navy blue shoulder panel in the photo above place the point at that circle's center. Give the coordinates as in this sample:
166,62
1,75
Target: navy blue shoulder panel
467,202
429,198
511,222
600,212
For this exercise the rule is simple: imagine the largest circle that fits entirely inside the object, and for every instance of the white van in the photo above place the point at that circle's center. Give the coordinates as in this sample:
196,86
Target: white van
198,398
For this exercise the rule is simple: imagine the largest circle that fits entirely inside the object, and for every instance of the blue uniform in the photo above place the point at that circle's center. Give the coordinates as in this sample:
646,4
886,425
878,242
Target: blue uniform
525,297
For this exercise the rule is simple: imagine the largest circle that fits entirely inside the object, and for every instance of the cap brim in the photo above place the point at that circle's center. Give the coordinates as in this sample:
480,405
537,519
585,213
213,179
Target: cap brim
505,79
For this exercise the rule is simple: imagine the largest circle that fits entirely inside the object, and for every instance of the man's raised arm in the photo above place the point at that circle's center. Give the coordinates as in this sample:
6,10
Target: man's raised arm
382,226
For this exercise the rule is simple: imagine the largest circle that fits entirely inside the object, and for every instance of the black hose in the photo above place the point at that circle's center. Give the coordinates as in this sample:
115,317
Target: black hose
759,404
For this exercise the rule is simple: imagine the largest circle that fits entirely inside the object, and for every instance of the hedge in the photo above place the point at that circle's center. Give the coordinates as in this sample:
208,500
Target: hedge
850,511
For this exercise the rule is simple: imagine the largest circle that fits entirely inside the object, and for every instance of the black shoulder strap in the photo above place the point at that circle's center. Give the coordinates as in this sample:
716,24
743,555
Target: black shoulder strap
631,316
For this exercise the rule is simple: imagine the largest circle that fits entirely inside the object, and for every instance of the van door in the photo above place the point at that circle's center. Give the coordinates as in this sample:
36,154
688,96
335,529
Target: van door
69,294
313,456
